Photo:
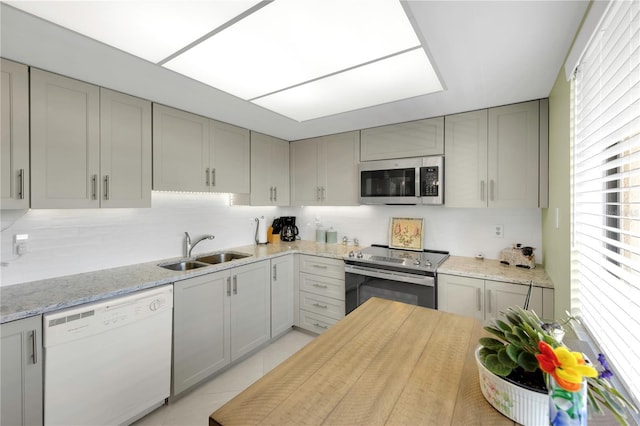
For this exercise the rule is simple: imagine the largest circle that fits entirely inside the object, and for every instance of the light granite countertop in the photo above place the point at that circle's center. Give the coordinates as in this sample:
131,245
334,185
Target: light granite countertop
489,269
38,297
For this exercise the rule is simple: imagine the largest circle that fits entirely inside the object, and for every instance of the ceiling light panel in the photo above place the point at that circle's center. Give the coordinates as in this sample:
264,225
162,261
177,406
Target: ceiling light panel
152,30
289,42
402,76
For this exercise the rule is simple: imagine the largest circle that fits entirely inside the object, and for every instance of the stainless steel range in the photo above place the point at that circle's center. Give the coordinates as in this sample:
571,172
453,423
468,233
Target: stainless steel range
400,275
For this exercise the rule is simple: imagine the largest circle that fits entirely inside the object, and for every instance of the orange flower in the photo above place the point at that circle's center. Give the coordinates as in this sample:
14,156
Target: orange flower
567,368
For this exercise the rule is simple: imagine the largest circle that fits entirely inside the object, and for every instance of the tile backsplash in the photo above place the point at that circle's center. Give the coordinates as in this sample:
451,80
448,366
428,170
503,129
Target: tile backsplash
64,242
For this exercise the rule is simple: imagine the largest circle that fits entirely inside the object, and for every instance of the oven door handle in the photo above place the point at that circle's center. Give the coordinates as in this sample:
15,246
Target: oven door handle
390,275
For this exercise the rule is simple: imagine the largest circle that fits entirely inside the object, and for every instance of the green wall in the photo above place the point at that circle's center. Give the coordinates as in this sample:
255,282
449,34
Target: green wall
556,241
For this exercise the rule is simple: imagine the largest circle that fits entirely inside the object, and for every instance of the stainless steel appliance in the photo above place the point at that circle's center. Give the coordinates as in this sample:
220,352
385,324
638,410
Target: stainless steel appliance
400,275
403,181
289,230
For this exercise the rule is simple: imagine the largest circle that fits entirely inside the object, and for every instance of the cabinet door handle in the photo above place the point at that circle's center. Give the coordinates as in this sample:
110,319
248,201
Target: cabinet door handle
317,305
228,286
271,193
322,198
213,177
275,272
106,187
318,193
489,301
34,347
482,190
320,325
94,189
491,190
478,299
206,176
235,284
21,184
275,193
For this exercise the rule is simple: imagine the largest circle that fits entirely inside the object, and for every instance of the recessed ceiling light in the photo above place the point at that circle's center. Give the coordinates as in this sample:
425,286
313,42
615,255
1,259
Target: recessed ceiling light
402,76
289,42
152,30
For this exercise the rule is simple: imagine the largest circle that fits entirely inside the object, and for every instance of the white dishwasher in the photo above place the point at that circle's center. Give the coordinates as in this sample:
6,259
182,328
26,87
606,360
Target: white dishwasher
107,363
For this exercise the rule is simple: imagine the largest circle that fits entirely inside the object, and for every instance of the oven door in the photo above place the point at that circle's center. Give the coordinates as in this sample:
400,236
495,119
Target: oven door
364,282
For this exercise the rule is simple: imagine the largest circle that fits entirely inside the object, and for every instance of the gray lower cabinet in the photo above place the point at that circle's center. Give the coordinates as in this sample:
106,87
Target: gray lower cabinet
218,318
281,294
21,360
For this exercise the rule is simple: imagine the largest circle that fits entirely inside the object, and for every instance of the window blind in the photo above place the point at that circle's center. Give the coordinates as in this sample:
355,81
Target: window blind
606,190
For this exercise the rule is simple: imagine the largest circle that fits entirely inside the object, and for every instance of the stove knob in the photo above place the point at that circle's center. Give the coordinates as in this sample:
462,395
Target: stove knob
351,254
359,255
428,264
416,262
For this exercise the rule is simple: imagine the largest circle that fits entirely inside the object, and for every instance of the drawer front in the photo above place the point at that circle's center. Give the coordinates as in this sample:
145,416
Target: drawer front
316,284
324,266
322,305
314,322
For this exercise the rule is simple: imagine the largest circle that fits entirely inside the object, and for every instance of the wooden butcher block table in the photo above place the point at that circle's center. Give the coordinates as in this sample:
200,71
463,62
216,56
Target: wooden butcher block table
385,363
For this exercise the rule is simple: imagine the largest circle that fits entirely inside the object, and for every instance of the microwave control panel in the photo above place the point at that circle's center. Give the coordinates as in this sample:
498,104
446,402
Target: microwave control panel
429,181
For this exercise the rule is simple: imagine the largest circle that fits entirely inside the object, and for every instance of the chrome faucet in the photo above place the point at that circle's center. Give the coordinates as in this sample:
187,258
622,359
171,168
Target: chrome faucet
188,246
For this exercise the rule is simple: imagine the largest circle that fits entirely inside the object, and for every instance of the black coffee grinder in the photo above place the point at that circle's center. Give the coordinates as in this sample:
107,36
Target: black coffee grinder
289,230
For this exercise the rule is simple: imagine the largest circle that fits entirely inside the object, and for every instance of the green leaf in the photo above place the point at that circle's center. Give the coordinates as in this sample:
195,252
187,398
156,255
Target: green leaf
491,343
495,331
505,358
514,352
484,352
503,325
528,361
494,365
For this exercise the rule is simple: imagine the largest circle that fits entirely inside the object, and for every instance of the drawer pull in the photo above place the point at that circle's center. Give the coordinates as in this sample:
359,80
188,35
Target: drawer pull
320,285
319,266
317,305
320,326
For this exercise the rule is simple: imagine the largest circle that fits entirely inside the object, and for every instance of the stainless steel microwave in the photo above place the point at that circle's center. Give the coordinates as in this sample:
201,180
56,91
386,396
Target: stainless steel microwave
402,181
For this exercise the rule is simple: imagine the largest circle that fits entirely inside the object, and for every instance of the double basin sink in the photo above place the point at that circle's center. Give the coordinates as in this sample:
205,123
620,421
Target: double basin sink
202,261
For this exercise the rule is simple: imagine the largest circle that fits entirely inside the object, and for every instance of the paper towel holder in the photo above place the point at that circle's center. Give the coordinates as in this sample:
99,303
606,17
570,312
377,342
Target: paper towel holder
261,230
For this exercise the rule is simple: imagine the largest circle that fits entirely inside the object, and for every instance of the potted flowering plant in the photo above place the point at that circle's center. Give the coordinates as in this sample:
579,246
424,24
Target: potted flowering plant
528,354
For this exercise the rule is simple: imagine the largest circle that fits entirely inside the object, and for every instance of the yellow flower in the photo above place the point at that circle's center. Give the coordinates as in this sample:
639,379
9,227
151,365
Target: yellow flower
567,368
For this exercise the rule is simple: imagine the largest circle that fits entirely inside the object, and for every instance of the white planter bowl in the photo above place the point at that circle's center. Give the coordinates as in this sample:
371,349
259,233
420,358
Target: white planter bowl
521,405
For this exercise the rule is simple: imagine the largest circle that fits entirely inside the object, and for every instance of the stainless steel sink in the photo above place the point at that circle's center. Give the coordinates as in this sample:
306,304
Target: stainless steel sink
183,265
202,261
214,259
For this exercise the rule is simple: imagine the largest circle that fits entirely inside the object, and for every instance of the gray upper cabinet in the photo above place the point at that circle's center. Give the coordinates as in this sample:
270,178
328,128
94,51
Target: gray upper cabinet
492,157
125,150
269,170
180,151
21,372
411,139
65,142
513,161
230,158
325,170
90,147
14,95
196,154
466,159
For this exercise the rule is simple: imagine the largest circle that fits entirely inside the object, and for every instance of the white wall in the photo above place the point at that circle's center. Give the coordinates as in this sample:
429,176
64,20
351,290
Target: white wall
64,242
462,232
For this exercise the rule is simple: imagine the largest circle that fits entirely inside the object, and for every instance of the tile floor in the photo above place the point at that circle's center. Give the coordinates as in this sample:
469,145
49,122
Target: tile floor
197,405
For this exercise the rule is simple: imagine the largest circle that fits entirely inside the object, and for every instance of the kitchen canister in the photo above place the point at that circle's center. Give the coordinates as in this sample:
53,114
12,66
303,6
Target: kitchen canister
332,236
321,235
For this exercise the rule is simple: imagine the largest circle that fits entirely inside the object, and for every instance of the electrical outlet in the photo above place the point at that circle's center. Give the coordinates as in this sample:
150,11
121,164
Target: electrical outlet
499,231
20,243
